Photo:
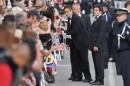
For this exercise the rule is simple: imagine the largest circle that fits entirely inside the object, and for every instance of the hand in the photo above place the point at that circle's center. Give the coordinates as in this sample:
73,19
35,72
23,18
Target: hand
95,49
59,32
44,19
54,48
56,25
27,10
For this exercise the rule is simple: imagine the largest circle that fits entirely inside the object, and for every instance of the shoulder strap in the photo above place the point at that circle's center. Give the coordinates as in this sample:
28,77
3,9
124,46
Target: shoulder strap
113,24
123,31
127,25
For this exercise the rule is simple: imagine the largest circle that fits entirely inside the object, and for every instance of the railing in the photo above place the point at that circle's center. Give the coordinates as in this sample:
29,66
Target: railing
120,4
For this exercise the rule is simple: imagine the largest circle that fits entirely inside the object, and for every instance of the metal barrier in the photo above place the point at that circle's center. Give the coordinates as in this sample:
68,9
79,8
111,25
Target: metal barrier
120,4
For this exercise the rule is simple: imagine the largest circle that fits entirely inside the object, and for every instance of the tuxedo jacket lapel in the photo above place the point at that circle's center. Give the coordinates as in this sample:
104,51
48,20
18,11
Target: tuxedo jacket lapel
96,20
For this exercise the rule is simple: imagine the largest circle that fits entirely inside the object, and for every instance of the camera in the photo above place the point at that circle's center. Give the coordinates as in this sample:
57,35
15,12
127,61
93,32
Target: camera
48,2
26,2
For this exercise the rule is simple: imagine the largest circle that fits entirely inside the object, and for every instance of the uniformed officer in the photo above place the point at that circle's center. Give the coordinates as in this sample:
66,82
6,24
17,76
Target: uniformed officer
108,17
121,42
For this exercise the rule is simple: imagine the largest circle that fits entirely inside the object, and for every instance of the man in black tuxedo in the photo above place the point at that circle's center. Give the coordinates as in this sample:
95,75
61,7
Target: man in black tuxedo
79,41
87,23
98,34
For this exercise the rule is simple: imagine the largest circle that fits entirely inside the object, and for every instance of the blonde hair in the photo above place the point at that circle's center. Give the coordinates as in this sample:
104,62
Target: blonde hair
44,25
16,10
40,3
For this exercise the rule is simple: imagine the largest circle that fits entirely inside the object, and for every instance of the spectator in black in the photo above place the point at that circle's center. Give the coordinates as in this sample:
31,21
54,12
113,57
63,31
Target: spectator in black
49,10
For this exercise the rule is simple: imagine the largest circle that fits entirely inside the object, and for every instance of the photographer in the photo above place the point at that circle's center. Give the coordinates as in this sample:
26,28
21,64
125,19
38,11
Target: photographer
49,10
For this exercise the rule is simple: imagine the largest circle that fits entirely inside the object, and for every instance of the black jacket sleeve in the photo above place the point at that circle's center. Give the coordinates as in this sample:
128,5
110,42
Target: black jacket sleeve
76,26
102,33
88,24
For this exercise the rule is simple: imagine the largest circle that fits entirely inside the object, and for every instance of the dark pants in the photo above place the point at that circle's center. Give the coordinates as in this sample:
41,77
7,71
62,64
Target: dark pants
99,65
73,66
37,75
117,63
81,64
106,53
124,59
85,63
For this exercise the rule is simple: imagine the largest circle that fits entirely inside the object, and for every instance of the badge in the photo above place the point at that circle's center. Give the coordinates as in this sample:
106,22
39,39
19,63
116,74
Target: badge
127,32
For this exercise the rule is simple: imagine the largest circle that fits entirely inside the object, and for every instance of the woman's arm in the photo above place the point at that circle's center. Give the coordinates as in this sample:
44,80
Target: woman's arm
48,52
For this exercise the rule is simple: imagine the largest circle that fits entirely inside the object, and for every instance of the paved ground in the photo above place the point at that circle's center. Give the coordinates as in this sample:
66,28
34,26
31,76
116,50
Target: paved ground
64,71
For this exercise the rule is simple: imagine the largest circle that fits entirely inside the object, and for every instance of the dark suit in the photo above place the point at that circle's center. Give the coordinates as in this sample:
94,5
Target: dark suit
108,18
78,32
86,70
98,35
79,45
86,21
72,58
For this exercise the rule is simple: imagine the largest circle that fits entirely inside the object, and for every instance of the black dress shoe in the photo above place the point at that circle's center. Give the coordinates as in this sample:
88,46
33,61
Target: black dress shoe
97,83
87,81
77,79
72,78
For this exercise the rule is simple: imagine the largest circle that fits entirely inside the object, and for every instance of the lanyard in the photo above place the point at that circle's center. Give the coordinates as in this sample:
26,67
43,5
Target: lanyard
122,35
105,16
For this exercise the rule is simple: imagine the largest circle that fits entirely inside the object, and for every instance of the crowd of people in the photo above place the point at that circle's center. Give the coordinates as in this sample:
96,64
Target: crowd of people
31,32
28,30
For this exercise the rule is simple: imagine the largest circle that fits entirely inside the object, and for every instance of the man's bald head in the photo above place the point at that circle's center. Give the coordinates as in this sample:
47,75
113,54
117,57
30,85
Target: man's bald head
76,8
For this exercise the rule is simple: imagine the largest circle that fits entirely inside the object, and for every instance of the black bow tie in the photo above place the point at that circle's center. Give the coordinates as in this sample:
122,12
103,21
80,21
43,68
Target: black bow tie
96,17
69,18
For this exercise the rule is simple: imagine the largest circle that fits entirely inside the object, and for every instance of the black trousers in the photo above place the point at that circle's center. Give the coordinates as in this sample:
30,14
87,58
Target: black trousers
124,59
85,63
117,62
99,65
81,64
72,60
106,54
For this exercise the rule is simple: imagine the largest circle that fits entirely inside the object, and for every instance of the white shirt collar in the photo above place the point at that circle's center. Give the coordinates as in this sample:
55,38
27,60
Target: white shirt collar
98,16
71,16
79,14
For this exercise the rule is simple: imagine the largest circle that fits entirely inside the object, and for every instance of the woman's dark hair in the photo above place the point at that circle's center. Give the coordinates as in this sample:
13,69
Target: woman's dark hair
46,38
8,18
99,6
68,7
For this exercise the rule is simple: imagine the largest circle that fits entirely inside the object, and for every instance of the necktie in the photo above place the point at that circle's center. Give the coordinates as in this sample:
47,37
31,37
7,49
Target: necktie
69,19
95,19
